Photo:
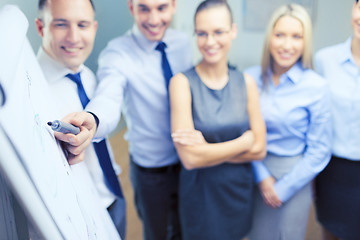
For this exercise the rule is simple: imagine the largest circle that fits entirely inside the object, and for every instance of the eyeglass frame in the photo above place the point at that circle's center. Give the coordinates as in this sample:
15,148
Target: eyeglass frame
217,34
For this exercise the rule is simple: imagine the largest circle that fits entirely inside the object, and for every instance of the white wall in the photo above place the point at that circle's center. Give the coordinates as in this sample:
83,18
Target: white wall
331,25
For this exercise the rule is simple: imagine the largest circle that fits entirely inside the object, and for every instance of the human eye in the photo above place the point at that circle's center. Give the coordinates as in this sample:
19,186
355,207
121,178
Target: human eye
60,24
219,33
162,7
143,9
84,24
297,36
279,35
201,34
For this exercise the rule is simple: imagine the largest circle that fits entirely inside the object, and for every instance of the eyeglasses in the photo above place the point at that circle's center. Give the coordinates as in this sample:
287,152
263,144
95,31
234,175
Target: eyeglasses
217,35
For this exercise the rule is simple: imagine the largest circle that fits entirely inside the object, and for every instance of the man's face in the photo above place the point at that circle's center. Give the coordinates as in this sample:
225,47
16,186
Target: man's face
68,31
355,20
152,17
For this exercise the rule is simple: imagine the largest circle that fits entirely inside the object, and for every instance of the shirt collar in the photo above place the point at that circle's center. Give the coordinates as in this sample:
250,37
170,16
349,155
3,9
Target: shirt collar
52,69
143,42
345,54
295,72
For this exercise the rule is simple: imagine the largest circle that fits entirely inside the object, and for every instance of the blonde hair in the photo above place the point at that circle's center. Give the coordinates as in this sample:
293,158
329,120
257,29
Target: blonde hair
298,12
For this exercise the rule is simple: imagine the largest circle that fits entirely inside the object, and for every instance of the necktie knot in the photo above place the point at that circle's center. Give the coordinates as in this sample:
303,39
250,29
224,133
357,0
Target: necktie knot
161,47
75,77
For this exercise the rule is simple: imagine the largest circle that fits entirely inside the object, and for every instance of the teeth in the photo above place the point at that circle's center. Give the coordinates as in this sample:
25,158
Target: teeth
211,51
285,55
154,29
71,49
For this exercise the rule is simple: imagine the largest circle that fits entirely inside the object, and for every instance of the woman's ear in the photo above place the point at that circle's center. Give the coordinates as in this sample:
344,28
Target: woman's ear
233,30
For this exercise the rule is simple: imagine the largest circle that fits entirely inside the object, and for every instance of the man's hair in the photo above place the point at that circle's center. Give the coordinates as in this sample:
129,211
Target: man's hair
42,4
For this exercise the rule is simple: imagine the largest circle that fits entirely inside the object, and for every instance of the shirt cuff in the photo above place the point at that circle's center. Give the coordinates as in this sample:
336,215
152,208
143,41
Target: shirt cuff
260,171
96,119
282,190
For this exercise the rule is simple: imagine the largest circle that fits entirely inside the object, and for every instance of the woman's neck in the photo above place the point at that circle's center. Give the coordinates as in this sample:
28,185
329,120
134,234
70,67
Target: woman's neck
214,76
276,73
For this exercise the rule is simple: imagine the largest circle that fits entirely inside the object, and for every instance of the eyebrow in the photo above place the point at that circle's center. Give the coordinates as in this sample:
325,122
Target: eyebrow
60,20
146,6
142,5
163,5
65,20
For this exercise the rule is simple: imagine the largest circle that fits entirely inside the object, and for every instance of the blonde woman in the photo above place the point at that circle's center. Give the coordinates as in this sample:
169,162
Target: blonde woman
295,105
217,130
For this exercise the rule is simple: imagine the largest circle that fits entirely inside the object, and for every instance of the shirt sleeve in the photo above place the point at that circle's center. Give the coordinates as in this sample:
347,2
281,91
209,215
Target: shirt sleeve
317,62
260,171
318,149
107,101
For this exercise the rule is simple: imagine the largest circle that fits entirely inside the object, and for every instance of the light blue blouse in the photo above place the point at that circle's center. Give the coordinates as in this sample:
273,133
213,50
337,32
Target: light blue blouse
337,65
298,121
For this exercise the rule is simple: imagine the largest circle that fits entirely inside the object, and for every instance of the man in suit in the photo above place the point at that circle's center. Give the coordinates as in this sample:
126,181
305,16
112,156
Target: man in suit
68,29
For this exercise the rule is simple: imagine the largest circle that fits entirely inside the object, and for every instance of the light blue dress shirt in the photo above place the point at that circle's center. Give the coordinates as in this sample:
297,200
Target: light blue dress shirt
336,64
131,80
298,121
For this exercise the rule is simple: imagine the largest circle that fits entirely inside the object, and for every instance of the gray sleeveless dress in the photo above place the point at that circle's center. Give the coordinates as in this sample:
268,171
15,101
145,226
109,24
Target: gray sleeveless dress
216,202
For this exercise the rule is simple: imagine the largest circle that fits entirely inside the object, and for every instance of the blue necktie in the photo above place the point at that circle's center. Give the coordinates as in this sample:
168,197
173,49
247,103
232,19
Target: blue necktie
100,147
165,63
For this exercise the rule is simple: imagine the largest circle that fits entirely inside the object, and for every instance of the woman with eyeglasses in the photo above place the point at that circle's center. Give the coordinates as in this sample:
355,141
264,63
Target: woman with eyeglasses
295,105
217,129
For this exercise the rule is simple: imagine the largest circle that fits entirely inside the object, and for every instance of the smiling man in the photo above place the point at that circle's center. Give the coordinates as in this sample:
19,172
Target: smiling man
68,29
134,71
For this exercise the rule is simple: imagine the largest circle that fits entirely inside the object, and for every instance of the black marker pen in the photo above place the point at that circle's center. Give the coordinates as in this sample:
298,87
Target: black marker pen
63,127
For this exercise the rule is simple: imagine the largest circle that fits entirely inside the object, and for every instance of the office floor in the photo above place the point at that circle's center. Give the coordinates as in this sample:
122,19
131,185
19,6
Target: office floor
134,228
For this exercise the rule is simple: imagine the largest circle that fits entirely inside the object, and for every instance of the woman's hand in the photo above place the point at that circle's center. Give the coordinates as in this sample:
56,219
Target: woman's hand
268,192
248,139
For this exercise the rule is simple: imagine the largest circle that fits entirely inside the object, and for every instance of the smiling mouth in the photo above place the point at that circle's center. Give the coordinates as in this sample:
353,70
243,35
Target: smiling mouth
154,30
211,51
71,50
285,56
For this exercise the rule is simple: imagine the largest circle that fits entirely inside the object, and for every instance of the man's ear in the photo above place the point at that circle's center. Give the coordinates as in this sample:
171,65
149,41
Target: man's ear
174,5
95,25
131,6
39,26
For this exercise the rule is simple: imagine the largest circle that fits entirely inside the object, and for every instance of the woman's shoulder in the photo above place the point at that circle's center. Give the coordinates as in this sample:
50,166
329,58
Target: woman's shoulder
189,71
314,78
254,71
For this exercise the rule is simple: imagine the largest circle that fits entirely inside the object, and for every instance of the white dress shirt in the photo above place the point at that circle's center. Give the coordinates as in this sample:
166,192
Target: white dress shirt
65,91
